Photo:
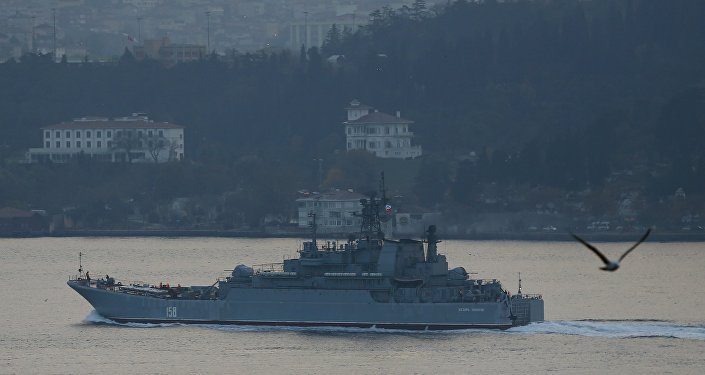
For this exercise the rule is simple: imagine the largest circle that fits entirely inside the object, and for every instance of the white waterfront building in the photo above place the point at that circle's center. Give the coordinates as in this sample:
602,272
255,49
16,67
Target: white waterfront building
334,211
133,138
381,134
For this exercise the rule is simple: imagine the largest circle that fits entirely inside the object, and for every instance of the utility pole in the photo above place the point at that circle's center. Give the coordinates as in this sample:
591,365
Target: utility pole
208,40
320,173
53,11
305,29
33,35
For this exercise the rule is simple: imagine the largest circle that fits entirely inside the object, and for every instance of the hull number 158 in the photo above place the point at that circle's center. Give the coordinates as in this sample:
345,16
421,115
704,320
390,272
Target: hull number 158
171,312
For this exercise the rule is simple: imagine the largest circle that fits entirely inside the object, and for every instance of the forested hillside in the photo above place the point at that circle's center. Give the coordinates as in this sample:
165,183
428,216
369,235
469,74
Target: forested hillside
574,103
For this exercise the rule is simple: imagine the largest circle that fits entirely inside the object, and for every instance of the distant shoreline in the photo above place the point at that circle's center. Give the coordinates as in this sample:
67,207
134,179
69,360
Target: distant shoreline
502,236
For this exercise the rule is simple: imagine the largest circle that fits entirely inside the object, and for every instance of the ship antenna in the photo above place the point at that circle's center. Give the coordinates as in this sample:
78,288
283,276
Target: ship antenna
314,227
80,266
519,283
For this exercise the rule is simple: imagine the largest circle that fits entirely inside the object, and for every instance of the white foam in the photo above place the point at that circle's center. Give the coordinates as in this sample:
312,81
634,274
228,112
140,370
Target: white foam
95,318
590,328
614,328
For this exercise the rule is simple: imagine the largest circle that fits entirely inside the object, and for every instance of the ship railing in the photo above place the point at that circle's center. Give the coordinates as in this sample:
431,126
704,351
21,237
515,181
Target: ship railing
268,267
528,296
484,281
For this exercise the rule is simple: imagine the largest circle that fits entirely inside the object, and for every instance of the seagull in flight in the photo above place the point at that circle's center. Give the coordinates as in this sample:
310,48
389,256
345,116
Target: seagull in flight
611,265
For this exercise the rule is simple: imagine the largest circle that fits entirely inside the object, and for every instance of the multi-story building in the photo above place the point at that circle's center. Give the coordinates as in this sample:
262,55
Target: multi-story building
334,211
312,33
131,139
168,53
383,135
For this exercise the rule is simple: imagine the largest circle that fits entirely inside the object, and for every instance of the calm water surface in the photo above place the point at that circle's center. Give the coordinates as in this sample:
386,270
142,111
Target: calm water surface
647,318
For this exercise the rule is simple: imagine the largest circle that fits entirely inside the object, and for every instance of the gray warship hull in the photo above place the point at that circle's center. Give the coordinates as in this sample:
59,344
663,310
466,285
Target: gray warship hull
285,307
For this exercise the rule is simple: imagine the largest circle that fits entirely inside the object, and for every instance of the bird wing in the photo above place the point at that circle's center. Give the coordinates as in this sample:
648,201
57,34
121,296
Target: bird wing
594,250
648,231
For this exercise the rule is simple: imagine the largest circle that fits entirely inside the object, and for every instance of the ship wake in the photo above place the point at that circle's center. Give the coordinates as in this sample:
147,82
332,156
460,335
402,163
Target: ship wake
638,328
94,318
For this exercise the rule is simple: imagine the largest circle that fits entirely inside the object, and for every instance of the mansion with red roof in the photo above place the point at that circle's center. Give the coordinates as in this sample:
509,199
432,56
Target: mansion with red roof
383,135
134,139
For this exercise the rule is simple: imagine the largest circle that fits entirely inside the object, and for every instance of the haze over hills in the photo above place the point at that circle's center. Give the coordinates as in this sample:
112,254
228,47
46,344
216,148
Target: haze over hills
531,114
99,30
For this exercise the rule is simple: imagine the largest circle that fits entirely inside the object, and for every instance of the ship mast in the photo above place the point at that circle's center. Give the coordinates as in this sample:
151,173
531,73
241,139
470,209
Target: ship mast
371,227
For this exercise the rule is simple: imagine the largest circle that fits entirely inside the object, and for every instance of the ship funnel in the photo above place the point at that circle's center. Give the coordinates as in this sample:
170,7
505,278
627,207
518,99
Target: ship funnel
432,240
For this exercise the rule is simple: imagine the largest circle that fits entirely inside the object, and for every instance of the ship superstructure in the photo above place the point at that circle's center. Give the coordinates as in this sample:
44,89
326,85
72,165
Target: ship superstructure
367,281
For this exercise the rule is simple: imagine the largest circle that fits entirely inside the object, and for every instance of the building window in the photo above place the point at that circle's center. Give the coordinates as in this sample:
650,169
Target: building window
161,133
117,133
78,144
349,145
139,133
181,136
68,134
58,144
88,133
98,134
99,144
57,134
47,134
110,144
110,134
78,134
68,144
47,144
386,130
150,133
88,144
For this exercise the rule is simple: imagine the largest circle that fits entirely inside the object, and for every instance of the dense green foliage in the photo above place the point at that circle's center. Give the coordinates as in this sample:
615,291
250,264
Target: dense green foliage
560,95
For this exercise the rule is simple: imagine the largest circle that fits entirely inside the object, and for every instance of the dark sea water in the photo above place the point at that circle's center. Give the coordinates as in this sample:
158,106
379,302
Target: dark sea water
646,318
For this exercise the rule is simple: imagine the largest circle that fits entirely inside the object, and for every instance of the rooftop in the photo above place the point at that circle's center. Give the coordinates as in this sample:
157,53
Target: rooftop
379,118
112,124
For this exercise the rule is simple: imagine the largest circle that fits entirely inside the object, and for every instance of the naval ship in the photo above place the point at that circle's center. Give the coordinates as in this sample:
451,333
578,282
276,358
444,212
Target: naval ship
367,282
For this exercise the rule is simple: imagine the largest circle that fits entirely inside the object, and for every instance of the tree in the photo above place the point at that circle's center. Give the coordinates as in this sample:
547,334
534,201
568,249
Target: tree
331,45
126,142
